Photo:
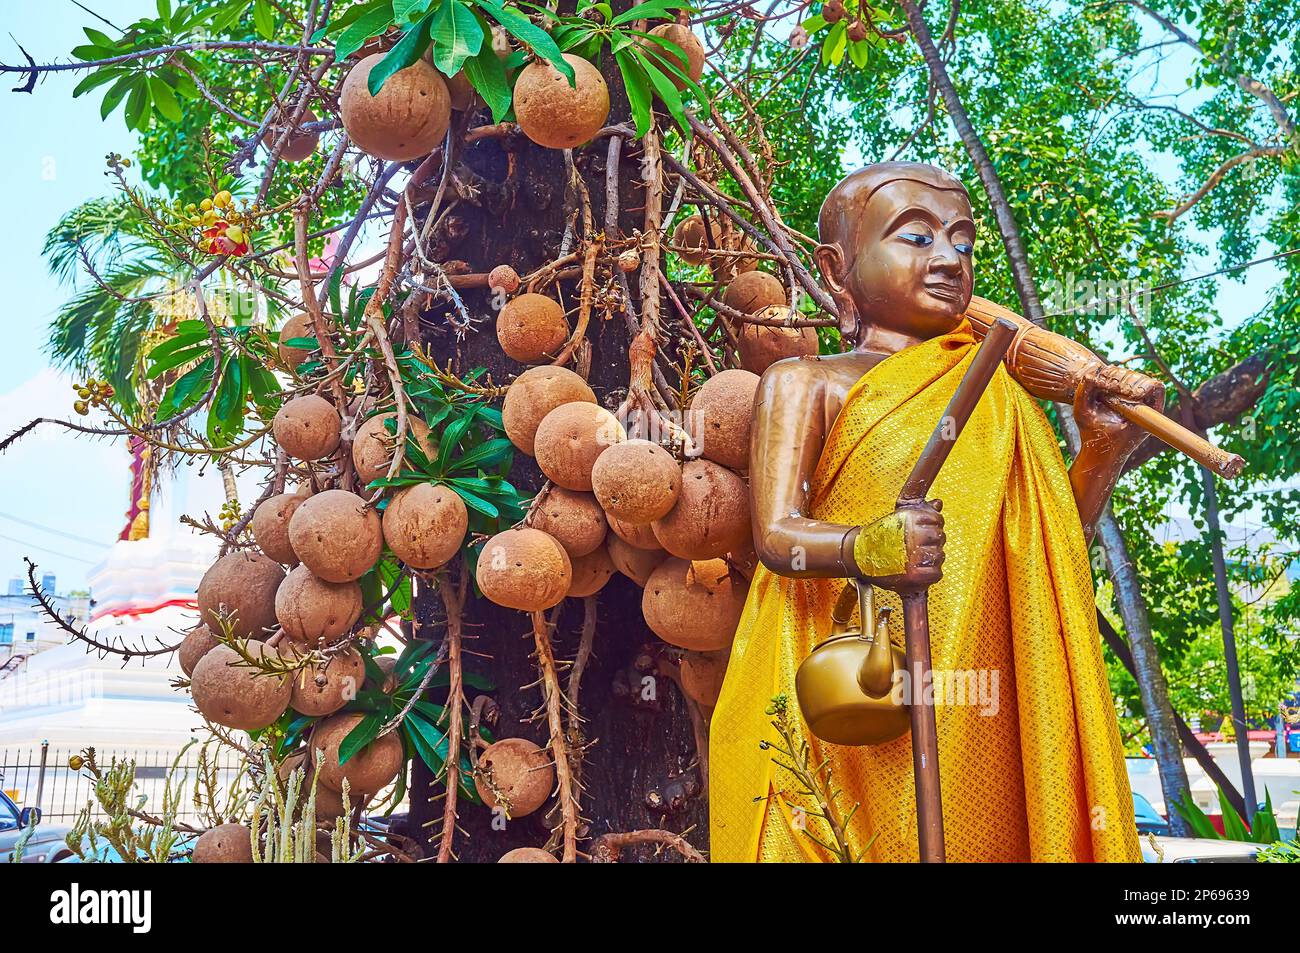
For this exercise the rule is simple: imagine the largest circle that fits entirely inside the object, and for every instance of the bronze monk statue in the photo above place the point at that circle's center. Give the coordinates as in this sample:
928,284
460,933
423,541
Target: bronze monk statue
1029,751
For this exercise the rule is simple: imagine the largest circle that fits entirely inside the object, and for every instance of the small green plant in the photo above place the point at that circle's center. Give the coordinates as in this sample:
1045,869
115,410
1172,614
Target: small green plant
1263,831
815,782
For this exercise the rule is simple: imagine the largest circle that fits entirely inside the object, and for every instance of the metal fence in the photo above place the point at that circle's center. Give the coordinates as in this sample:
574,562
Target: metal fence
40,777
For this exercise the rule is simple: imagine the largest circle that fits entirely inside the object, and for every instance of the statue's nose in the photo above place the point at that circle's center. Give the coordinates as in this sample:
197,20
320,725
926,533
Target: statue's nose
944,258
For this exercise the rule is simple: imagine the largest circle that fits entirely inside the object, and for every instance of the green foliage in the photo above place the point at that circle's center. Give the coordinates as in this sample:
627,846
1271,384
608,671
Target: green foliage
1263,831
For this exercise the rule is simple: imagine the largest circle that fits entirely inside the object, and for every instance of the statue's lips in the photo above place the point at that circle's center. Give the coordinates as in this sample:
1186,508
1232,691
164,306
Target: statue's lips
944,291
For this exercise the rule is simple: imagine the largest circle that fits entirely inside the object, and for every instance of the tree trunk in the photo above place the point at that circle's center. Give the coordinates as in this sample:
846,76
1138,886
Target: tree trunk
1152,687
640,768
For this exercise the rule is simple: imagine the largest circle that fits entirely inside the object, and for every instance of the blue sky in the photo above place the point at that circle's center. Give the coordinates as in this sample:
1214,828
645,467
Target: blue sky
54,159
75,491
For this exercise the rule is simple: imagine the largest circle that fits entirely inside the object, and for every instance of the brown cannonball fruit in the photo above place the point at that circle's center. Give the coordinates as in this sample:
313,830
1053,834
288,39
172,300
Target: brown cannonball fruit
323,688
230,692
833,11
690,233
531,328
590,573
575,520
197,643
224,844
307,427
270,525
425,524
636,564
368,770
637,535
240,587
570,438
721,413
694,605
752,291
528,855
554,114
461,92
387,664
702,674
761,346
314,611
407,120
524,569
519,771
300,145
298,326
372,449
336,535
330,805
636,481
857,32
533,395
711,516
693,65
503,278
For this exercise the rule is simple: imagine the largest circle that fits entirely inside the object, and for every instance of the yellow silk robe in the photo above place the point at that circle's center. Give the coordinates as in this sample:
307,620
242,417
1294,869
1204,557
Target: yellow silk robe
1034,770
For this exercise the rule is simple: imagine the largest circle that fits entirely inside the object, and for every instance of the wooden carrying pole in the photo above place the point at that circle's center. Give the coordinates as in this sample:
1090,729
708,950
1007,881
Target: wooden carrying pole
916,610
1054,382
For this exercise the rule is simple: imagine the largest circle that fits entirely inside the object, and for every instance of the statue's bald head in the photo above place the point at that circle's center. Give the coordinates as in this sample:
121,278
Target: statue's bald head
897,240
842,212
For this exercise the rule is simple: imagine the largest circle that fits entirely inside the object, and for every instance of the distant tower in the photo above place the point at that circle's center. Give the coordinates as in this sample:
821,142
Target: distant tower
48,583
15,586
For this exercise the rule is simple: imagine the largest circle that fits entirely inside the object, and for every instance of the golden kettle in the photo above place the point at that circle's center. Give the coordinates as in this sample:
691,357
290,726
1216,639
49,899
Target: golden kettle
846,685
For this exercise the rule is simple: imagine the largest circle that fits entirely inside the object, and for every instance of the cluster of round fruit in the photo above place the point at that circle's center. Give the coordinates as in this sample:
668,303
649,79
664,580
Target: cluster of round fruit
410,116
833,11
327,541
749,292
679,530
93,393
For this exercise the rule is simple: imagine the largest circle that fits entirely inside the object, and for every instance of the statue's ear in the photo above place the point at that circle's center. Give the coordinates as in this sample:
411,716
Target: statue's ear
833,267
830,263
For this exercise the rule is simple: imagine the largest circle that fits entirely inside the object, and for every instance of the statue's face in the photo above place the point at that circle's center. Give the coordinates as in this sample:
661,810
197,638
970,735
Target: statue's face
911,271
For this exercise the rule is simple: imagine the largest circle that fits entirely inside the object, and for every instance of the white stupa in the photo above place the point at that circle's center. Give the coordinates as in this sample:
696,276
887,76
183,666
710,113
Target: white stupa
143,594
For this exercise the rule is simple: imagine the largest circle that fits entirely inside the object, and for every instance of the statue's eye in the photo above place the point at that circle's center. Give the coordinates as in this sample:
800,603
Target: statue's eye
921,241
964,248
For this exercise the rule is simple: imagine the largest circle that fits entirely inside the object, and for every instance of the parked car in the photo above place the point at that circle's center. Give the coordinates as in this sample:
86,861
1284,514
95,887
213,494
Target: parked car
1149,820
47,844
1197,850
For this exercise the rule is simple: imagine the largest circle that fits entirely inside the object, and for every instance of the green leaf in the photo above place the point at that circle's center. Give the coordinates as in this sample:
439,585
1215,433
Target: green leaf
488,77
101,40
637,85
405,11
456,36
650,10
263,19
834,39
137,105
98,78
114,95
474,501
666,90
531,35
485,455
408,49
366,731
373,22
164,100
186,391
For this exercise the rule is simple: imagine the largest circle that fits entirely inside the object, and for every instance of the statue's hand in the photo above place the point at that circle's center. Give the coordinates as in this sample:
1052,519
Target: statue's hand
903,550
1097,419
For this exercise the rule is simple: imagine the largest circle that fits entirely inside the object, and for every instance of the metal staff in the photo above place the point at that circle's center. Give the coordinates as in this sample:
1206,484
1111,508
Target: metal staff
916,609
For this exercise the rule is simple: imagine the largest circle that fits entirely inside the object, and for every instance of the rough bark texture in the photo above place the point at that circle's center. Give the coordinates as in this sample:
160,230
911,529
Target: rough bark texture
1152,687
639,770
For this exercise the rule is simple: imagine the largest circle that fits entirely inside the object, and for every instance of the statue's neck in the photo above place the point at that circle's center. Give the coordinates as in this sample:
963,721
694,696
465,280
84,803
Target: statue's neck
880,340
